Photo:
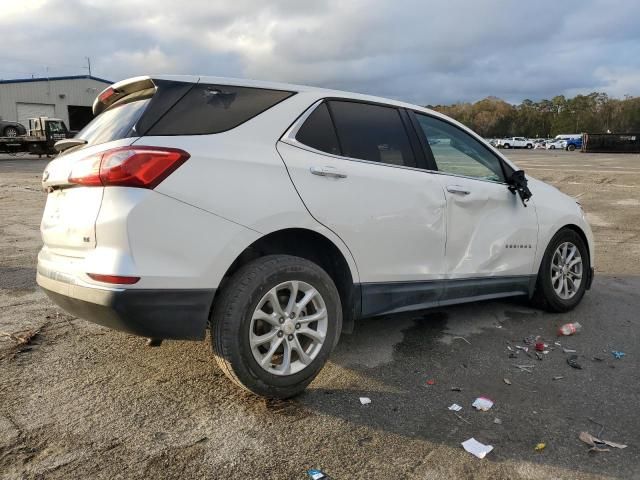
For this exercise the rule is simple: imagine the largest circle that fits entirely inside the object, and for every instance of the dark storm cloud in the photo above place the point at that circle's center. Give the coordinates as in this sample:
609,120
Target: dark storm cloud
421,51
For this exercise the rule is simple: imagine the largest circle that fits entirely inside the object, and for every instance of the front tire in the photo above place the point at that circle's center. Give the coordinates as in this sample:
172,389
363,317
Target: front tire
563,275
506,145
274,325
571,148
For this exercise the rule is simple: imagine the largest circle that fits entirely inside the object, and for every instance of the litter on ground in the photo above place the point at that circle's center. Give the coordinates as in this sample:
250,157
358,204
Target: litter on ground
455,407
568,350
593,441
476,448
497,421
365,400
617,355
462,418
317,474
525,368
573,362
482,403
569,329
540,446
507,381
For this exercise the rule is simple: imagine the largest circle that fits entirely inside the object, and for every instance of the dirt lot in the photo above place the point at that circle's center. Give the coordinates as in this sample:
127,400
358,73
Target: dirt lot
86,402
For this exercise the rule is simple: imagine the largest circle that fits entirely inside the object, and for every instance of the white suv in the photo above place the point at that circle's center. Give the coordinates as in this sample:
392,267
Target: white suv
277,215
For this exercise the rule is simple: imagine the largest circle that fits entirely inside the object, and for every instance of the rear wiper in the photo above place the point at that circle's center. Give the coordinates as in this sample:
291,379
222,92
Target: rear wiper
62,145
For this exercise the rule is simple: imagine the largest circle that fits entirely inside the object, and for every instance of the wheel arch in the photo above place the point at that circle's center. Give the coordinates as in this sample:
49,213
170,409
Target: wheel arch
316,248
568,226
582,234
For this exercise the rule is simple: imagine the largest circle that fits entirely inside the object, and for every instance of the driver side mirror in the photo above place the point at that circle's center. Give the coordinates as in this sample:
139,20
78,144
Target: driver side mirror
517,182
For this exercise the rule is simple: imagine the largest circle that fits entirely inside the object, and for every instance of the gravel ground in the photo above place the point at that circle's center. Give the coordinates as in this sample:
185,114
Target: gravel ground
86,402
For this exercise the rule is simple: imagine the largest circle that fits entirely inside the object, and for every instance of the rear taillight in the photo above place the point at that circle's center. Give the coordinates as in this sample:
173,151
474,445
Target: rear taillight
142,167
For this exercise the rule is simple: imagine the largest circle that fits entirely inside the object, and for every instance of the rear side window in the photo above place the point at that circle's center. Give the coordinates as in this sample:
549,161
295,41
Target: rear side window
115,123
372,132
215,108
317,131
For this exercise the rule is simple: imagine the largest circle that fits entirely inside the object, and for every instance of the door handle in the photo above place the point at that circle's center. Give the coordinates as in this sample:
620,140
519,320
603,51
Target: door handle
458,189
328,172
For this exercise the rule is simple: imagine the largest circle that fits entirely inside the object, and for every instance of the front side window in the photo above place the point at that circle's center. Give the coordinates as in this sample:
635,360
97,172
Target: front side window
371,132
457,152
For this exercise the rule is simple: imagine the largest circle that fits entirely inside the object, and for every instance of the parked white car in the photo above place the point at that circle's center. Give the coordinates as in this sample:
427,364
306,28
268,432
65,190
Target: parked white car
514,142
277,215
556,145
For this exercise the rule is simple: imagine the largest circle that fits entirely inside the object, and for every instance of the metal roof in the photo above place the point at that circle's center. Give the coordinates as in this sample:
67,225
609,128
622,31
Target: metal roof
52,79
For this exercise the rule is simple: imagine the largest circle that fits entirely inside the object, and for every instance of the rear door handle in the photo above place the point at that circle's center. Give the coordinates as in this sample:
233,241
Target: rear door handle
458,189
328,172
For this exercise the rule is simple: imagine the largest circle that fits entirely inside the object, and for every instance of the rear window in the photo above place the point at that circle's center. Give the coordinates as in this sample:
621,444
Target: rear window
210,109
115,123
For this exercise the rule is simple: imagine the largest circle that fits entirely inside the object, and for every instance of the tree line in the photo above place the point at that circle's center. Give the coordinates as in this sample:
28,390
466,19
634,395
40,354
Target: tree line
593,113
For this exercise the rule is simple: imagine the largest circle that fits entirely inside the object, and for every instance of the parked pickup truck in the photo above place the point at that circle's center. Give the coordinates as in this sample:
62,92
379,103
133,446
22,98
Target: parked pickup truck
574,143
514,142
40,138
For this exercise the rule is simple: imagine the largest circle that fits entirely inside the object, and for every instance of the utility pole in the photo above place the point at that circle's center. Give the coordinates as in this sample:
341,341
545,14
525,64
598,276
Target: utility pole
88,64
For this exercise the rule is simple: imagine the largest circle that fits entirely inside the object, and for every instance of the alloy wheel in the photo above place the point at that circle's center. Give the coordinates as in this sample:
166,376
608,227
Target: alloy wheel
566,270
288,328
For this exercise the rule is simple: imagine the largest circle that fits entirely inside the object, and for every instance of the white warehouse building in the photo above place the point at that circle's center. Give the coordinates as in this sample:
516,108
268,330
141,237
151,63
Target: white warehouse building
67,98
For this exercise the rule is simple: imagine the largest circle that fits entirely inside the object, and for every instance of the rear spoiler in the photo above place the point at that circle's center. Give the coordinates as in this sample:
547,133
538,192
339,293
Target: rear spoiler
120,90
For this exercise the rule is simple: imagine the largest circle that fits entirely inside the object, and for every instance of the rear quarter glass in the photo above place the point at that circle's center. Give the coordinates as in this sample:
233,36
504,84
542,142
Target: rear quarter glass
208,109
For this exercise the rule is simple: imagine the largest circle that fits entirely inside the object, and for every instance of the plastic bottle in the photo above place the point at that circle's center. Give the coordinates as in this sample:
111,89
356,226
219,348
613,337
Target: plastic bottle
569,329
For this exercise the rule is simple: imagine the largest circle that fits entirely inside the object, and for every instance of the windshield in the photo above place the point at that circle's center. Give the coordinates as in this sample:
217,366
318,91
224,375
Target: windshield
57,127
115,123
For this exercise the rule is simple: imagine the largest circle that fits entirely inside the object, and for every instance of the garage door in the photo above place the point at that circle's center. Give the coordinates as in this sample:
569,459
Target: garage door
31,110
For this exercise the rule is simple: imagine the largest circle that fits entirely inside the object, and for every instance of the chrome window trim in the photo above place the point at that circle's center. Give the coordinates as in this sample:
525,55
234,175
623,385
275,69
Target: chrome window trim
289,138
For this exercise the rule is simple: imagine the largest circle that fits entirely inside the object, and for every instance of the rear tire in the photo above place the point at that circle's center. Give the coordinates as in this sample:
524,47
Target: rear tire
244,316
506,145
529,146
11,132
553,275
571,148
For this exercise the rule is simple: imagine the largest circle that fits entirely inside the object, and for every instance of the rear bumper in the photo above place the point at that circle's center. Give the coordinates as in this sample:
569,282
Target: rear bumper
169,314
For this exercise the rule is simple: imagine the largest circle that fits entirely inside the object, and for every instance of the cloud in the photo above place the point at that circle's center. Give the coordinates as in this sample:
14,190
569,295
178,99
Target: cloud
425,52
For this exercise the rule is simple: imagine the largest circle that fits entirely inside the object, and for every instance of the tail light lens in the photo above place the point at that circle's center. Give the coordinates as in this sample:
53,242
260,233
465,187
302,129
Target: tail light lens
141,167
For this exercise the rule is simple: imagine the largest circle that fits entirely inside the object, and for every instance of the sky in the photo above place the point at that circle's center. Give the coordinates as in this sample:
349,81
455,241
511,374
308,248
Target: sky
422,51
